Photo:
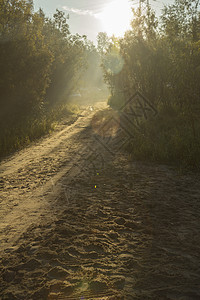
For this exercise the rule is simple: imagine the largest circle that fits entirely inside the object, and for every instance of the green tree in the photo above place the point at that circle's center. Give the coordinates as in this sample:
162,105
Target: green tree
25,60
102,42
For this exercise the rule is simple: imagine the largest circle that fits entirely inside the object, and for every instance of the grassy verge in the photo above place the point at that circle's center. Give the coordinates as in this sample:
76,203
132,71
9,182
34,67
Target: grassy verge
171,137
28,130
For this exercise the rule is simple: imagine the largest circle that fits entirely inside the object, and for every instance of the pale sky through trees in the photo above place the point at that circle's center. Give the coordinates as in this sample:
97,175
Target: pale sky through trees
90,17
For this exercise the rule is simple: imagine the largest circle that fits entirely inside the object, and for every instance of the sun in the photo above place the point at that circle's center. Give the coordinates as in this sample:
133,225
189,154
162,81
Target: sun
116,17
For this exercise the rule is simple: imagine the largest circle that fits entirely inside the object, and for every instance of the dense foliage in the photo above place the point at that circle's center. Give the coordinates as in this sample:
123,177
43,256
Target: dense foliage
41,63
161,59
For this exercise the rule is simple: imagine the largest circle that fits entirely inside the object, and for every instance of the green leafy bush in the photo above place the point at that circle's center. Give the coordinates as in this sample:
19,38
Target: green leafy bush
168,138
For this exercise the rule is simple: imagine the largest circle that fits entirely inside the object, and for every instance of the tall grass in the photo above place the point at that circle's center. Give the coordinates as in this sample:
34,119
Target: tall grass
24,132
168,138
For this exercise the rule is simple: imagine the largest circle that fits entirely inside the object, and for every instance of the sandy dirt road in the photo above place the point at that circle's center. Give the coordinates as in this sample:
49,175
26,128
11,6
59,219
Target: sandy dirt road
78,221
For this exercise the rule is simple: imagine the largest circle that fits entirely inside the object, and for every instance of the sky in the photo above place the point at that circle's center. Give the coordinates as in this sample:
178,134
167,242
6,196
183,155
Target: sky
88,17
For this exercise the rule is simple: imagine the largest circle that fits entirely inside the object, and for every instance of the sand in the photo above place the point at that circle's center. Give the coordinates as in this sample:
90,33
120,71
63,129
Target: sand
79,220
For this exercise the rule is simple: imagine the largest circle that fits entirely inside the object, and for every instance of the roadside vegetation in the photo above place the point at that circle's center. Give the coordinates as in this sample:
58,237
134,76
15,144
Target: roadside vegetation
160,58
41,65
